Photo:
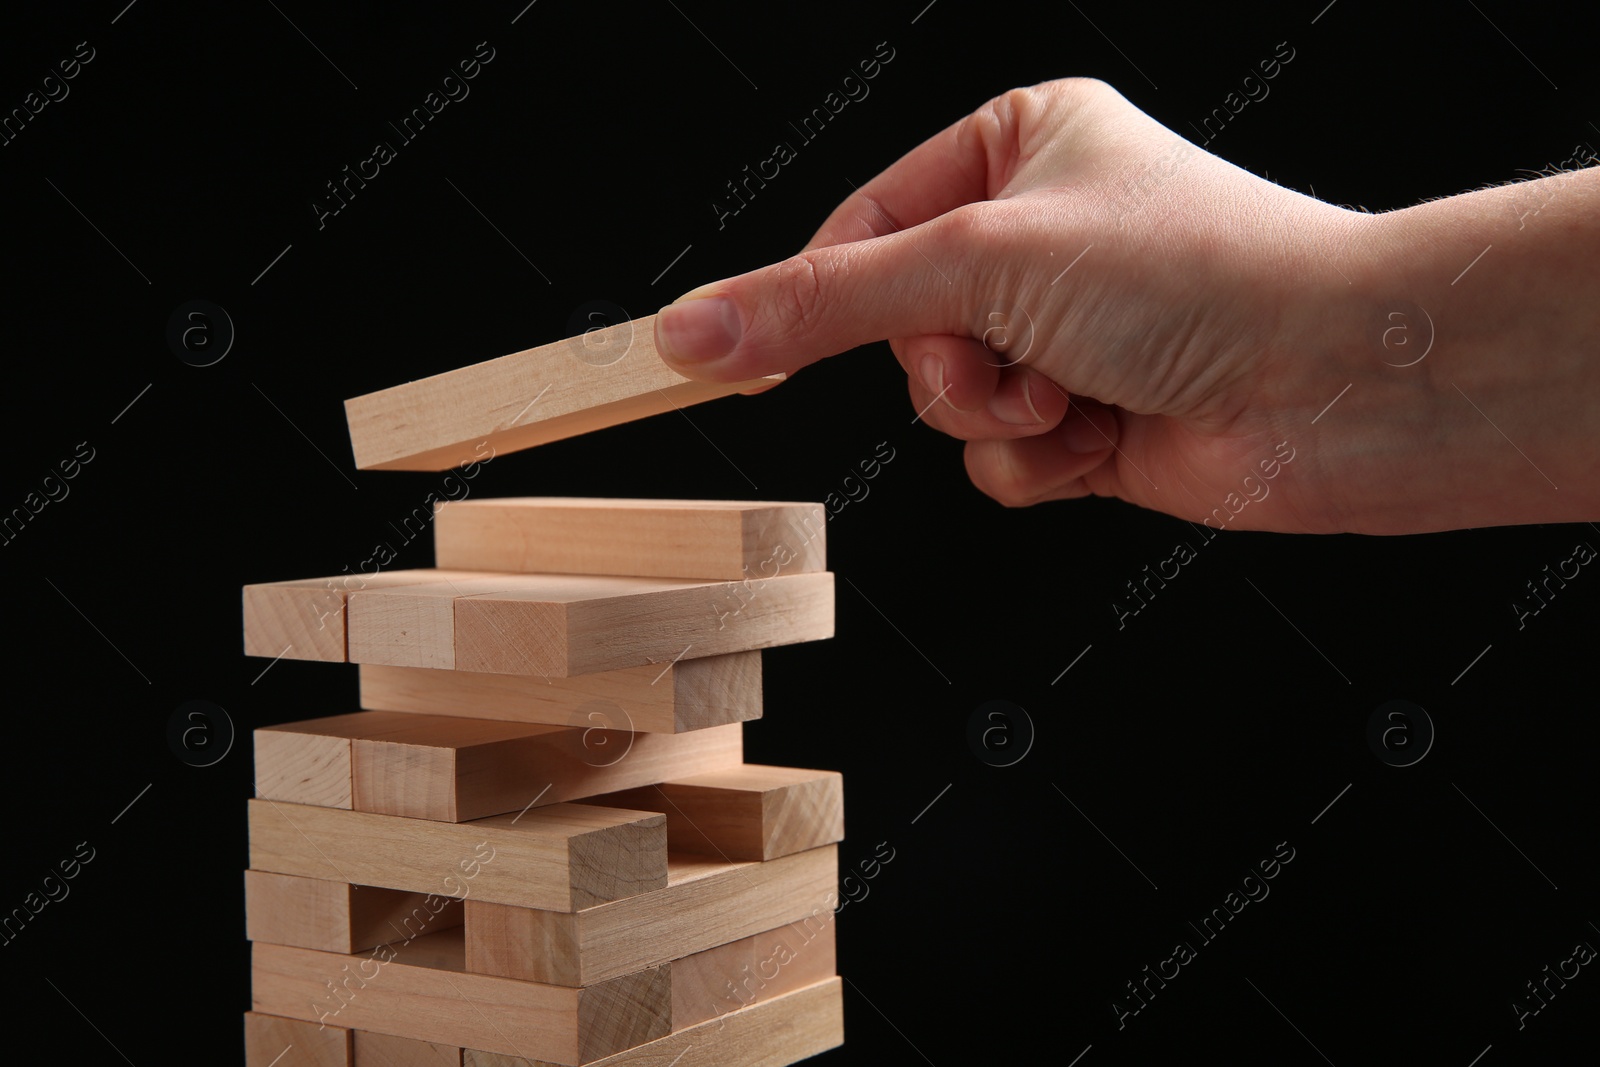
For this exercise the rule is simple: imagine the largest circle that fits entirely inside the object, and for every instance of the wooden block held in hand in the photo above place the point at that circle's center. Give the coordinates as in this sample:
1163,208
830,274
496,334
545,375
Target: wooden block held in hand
705,539
275,1041
771,1033
286,909
472,414
563,857
386,1050
691,694
706,903
305,618
748,812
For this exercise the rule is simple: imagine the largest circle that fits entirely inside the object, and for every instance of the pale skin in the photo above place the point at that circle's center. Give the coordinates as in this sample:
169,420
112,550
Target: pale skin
1214,317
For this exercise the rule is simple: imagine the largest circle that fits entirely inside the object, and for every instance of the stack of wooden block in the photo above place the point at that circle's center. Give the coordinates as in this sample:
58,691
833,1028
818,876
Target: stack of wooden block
539,843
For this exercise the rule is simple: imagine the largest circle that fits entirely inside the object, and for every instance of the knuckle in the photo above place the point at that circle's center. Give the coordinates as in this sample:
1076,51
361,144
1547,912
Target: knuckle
799,284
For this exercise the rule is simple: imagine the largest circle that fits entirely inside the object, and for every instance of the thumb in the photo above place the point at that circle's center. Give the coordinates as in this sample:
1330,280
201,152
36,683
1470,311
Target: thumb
819,303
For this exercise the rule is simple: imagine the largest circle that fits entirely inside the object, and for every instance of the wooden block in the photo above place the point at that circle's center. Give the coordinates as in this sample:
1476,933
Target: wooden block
305,618
770,1033
286,909
733,976
386,1050
705,539
565,624
274,1041
455,770
562,858
706,903
691,694
474,413
419,991
561,625
749,812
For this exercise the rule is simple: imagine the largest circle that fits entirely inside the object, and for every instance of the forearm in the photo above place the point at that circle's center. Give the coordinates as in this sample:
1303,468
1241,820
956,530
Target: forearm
1501,289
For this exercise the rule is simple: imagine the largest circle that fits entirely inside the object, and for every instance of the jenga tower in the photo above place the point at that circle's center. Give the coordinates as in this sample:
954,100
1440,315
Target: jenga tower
539,842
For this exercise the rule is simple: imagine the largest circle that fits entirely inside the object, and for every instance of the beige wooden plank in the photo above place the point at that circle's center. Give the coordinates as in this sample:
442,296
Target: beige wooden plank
720,980
563,857
707,903
386,1050
305,618
562,625
558,625
305,763
474,413
455,770
274,1041
704,539
413,623
771,1033
416,991
748,812
286,909
691,694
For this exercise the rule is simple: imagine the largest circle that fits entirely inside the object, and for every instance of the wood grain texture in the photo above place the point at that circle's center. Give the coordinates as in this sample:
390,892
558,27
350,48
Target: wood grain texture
286,909
748,812
562,625
305,763
417,991
414,622
692,694
474,413
562,858
771,1033
455,770
386,1050
704,539
706,903
759,967
305,618
274,1041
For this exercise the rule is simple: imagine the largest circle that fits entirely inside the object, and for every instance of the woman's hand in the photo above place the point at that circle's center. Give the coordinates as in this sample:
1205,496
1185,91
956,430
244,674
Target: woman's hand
1097,306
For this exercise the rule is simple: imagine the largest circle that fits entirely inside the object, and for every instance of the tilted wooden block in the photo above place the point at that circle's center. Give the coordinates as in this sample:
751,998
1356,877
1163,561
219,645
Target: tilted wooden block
474,413
706,903
749,812
705,539
558,625
386,1050
274,1041
771,1033
691,694
563,857
286,909
454,770
305,618
417,990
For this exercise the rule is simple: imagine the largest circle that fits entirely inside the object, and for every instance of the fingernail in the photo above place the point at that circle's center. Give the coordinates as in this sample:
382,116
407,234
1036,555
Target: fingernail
932,372
698,330
1082,436
1024,414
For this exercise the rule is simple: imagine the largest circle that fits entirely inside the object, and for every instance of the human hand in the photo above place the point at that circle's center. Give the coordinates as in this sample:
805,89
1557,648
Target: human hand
1097,306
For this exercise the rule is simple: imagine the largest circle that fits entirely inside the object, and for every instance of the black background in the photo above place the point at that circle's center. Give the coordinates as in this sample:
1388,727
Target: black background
1221,721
